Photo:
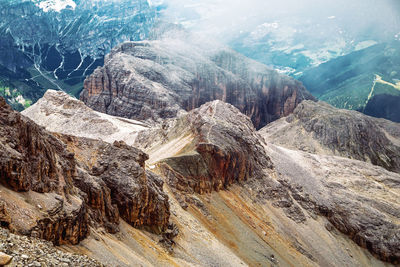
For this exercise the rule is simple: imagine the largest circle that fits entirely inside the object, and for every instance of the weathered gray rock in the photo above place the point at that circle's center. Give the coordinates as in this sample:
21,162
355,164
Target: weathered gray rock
59,112
357,197
158,79
27,251
322,129
214,147
72,183
137,193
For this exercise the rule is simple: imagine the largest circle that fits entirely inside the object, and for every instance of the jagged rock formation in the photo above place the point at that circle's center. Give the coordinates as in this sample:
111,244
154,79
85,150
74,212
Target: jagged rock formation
65,194
121,168
217,122
158,79
352,195
223,148
34,160
300,189
243,201
320,128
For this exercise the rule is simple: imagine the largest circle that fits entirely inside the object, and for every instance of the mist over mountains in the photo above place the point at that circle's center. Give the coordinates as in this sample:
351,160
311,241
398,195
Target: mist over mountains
291,35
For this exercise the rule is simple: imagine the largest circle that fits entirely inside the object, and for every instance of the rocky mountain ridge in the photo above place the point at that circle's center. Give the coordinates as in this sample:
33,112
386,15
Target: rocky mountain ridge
44,48
153,80
283,193
61,113
66,193
319,128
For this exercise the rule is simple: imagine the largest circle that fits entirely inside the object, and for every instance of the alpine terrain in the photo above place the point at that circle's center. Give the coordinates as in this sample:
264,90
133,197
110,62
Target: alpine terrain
203,133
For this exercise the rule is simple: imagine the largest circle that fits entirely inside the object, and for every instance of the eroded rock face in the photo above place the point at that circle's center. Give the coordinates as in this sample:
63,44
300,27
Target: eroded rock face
222,148
69,184
158,79
31,159
308,198
137,194
321,128
357,198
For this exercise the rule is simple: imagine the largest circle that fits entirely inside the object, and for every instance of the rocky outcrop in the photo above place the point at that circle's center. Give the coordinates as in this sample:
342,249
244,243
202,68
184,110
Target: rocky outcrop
159,79
320,128
357,198
137,193
215,146
31,159
221,148
63,193
319,209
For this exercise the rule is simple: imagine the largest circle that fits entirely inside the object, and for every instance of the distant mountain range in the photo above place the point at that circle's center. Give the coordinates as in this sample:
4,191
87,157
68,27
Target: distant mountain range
367,80
55,44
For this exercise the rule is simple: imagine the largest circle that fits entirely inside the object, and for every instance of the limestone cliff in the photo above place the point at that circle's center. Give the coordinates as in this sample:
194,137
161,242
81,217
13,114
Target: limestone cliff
158,79
223,148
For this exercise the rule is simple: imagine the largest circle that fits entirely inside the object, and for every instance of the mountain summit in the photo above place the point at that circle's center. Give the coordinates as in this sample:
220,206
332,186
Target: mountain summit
158,79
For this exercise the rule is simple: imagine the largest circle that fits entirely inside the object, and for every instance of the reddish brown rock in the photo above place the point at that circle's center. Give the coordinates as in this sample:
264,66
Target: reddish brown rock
158,79
224,148
31,159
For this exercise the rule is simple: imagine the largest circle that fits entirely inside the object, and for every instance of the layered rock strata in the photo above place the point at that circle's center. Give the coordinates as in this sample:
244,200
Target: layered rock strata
216,146
320,128
153,80
120,168
232,194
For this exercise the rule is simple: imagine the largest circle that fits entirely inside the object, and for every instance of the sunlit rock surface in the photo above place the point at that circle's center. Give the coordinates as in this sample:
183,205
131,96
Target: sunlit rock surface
276,206
59,112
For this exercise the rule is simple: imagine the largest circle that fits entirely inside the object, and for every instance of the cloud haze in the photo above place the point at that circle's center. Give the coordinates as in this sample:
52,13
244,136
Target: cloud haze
216,17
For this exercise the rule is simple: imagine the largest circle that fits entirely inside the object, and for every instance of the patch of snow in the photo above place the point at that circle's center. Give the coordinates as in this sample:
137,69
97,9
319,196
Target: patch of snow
55,5
365,44
155,2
